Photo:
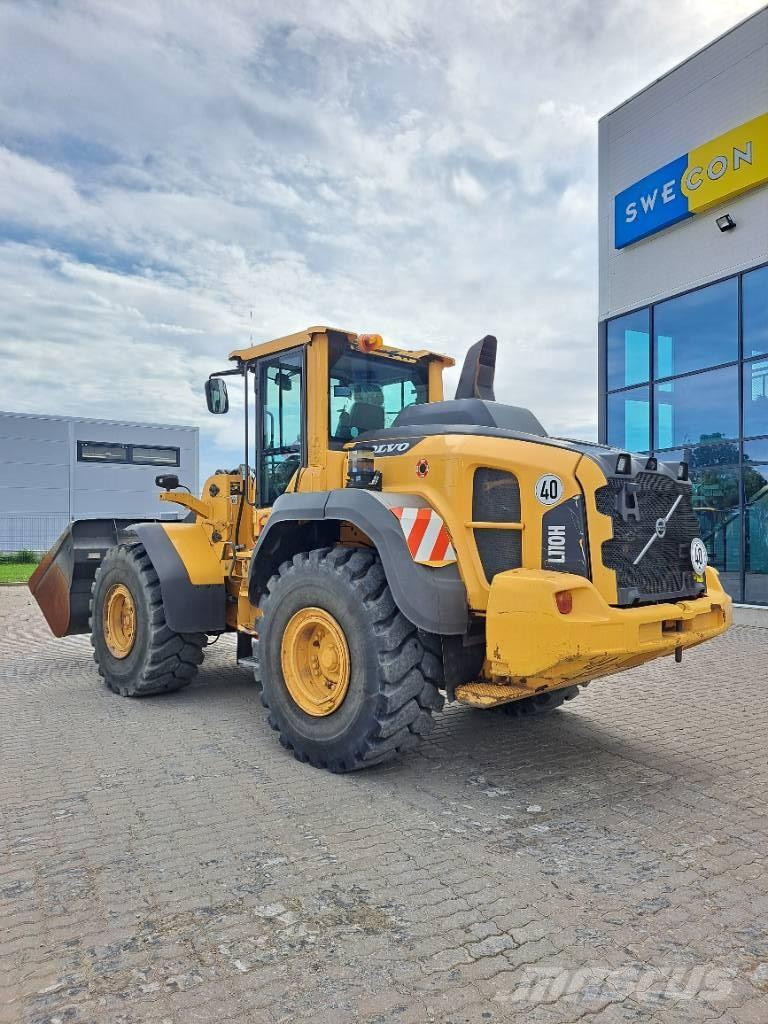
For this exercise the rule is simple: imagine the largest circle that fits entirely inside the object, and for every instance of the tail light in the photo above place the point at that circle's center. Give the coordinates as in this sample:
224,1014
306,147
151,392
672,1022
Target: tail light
564,602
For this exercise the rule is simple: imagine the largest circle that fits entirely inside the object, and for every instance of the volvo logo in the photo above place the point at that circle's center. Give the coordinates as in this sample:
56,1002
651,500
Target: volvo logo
392,447
659,529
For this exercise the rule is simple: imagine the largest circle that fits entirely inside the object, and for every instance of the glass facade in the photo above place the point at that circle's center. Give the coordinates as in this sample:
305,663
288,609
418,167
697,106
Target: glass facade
628,352
687,378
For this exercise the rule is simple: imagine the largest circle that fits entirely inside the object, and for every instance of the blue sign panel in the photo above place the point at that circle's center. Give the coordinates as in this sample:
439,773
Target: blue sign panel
655,202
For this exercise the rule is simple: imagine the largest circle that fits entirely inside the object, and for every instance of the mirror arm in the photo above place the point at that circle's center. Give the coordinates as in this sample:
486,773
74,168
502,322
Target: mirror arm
201,508
235,372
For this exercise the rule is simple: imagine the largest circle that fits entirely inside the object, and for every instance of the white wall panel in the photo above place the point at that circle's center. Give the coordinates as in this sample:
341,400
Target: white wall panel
716,90
42,484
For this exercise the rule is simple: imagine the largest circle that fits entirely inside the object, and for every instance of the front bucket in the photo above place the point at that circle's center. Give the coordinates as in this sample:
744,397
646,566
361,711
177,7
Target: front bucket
61,584
50,583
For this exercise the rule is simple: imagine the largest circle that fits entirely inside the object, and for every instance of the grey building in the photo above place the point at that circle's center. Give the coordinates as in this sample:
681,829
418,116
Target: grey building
683,319
56,468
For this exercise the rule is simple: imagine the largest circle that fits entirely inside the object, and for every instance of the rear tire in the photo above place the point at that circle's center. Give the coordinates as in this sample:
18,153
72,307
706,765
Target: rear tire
158,659
388,703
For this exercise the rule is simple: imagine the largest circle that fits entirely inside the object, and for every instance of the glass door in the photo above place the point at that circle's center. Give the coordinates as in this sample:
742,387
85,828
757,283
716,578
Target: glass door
280,423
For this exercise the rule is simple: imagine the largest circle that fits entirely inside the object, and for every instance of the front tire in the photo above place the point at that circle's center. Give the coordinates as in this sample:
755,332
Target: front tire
378,663
136,652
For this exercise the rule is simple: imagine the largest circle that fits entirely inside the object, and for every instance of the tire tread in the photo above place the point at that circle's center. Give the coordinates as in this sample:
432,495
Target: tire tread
407,696
173,658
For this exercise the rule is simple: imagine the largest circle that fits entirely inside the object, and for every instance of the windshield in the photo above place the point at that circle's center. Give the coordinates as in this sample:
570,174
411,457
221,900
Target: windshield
367,392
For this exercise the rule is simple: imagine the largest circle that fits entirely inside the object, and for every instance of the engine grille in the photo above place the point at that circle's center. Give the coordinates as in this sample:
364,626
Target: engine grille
635,504
496,499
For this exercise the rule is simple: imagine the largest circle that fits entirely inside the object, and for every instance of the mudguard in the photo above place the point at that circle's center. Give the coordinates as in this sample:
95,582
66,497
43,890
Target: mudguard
61,584
432,598
191,576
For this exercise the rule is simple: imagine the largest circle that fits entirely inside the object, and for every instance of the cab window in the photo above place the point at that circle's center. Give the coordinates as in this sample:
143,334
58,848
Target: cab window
367,392
281,391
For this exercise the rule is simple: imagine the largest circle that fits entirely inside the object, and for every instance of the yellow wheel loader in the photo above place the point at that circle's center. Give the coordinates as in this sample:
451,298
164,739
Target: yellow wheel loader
381,550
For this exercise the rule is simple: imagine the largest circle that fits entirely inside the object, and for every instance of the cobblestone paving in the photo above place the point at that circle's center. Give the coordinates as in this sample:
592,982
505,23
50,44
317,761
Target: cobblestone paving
166,860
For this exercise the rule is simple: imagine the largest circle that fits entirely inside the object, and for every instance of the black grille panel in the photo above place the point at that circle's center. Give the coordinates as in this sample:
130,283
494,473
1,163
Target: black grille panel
499,550
635,504
496,499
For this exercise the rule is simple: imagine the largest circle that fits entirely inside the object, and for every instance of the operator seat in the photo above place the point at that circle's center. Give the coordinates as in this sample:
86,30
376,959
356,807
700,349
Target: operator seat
367,410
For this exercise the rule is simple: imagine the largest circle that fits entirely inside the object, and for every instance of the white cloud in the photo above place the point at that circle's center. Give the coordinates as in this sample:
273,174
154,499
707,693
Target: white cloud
178,178
467,187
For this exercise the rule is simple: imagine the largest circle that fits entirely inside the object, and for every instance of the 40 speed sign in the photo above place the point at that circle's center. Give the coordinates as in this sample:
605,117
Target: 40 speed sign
549,489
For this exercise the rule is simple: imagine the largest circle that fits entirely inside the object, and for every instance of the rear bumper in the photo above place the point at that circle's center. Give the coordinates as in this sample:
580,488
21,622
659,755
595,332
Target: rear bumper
528,638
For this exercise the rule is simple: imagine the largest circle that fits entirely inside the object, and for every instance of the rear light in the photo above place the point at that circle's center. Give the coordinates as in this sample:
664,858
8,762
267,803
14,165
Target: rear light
682,471
564,601
624,464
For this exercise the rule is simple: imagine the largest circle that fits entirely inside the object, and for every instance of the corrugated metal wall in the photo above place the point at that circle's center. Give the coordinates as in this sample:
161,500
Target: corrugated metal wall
43,486
718,89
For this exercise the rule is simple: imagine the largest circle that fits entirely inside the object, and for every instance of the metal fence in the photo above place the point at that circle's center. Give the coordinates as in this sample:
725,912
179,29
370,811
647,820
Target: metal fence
21,532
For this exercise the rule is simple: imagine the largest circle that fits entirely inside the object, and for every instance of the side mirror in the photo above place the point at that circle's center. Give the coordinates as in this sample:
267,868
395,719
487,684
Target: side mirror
216,396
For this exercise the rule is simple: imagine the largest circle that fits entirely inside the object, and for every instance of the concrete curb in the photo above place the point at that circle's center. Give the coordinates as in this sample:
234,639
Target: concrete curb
750,615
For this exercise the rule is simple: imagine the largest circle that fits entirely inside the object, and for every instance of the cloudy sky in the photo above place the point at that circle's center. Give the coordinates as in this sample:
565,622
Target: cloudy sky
176,178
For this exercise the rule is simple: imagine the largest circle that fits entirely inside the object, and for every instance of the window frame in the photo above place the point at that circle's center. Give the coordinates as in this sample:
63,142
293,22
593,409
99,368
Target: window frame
681,295
156,448
647,388
338,444
744,274
115,460
614,319
259,366
128,459
685,376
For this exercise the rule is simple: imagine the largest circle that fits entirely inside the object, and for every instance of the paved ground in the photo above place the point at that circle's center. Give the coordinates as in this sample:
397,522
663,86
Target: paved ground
166,860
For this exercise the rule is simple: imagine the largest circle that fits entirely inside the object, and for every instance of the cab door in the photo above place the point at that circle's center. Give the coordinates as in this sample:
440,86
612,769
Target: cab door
281,423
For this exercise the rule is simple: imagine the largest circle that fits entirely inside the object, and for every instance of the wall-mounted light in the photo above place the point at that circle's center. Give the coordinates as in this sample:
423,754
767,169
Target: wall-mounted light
726,222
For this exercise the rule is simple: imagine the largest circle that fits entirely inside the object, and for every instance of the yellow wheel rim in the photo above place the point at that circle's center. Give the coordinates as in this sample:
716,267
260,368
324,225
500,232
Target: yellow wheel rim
119,621
315,661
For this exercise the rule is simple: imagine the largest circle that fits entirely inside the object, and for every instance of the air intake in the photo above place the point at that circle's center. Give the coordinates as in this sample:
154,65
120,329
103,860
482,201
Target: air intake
496,499
478,371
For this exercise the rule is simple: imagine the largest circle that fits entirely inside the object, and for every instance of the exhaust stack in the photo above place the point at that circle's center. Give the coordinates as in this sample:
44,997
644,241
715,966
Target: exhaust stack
478,371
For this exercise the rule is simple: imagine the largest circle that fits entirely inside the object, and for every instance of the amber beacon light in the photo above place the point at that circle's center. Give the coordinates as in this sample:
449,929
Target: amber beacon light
369,342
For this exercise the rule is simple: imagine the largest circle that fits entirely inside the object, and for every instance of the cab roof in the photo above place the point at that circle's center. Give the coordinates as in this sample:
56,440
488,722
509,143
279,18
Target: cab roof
304,337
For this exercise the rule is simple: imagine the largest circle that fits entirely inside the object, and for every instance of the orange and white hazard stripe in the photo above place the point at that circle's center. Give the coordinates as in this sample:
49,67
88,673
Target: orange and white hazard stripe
426,534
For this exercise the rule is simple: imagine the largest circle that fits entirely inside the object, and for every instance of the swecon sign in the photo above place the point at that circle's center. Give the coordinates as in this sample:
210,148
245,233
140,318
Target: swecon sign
719,170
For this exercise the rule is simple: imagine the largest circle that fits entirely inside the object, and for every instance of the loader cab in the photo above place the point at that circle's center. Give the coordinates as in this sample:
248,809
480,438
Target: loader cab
309,395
